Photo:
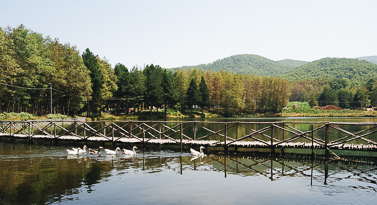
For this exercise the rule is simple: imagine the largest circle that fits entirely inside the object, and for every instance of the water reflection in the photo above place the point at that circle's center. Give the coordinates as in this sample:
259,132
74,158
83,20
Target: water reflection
38,174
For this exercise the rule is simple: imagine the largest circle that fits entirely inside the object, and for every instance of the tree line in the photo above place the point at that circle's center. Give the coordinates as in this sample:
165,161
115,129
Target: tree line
33,67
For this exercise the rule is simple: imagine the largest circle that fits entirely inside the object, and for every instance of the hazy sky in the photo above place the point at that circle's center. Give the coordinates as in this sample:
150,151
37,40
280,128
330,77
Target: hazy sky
173,33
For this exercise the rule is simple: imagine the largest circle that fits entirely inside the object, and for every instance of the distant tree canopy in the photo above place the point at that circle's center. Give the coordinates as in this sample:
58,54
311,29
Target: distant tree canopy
347,71
248,64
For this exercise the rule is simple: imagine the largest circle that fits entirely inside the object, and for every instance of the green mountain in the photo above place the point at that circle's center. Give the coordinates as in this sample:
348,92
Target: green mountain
372,59
292,63
357,71
249,64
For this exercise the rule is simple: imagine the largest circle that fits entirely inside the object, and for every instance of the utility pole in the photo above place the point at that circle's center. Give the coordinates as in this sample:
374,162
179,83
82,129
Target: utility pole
50,98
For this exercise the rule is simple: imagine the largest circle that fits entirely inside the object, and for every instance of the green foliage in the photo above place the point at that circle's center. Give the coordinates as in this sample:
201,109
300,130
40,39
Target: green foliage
358,72
247,64
292,63
56,116
28,60
204,98
154,92
345,98
192,94
361,98
328,97
91,63
123,82
167,85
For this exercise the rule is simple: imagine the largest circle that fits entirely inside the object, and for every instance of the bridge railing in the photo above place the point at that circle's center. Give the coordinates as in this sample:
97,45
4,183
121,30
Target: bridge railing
328,135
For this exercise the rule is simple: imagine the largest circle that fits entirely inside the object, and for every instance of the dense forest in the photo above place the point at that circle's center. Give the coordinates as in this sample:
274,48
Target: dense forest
35,70
249,64
356,72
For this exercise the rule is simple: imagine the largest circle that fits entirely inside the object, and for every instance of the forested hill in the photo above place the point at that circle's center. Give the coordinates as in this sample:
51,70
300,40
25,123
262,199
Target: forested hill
249,64
372,59
358,71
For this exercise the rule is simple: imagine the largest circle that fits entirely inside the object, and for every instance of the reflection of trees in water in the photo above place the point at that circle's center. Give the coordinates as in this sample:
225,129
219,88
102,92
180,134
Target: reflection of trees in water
49,179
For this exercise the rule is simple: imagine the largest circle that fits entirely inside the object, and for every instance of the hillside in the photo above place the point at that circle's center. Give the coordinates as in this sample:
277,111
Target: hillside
358,71
372,59
249,64
292,63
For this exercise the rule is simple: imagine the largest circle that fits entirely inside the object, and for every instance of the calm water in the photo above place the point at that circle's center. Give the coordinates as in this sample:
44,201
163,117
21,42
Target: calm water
40,174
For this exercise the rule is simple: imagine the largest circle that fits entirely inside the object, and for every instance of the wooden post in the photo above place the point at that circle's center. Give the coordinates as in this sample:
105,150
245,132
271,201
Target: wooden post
327,153
143,137
75,128
235,148
10,127
237,130
130,133
51,131
29,131
55,130
272,139
104,128
181,134
84,130
226,134
312,142
283,131
159,129
194,130
112,134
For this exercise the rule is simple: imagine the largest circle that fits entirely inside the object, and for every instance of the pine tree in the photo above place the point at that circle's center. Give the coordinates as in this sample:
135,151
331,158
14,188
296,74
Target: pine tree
205,100
167,85
91,63
192,95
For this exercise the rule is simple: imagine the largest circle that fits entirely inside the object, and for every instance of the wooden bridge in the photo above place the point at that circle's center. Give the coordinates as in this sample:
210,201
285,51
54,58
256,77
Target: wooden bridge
225,135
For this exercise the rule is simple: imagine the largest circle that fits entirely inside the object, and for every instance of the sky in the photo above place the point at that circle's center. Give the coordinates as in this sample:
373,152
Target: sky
174,33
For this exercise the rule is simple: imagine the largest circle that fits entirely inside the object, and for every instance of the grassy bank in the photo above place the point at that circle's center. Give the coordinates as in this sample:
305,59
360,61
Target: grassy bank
27,116
304,110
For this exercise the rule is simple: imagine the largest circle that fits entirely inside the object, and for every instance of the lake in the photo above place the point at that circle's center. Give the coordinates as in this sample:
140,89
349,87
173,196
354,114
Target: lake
45,174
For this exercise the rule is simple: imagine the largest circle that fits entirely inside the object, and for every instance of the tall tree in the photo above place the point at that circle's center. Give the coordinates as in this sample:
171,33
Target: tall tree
137,86
204,98
192,95
91,63
109,80
153,90
167,85
181,85
123,83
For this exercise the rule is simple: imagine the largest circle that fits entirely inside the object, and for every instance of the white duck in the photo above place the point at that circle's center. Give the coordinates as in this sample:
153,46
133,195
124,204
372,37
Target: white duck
196,153
111,152
73,151
130,152
83,150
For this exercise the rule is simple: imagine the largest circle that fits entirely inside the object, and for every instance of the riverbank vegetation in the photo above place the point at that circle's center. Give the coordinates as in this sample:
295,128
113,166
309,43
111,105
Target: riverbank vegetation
41,76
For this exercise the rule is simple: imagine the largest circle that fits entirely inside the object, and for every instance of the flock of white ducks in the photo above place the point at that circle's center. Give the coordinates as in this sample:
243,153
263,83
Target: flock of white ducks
118,151
101,151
